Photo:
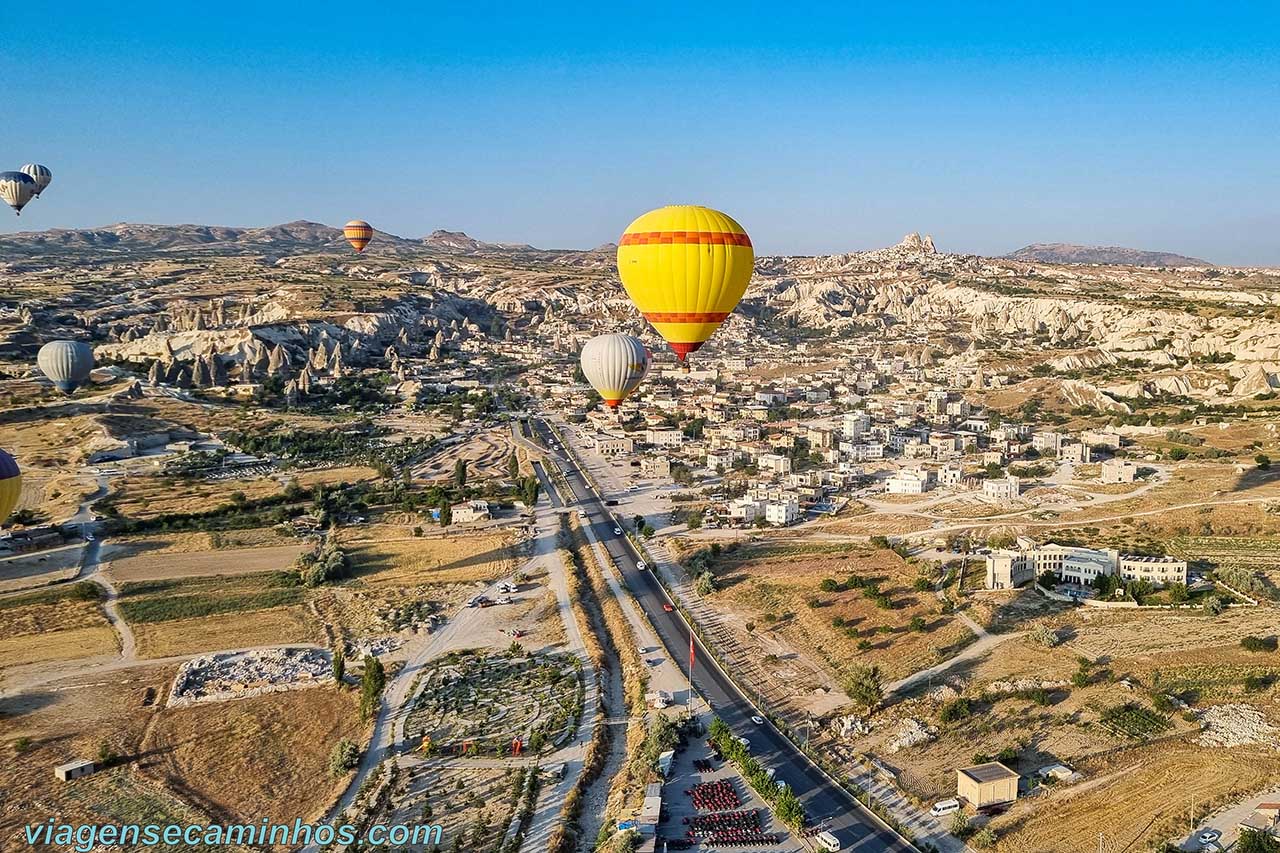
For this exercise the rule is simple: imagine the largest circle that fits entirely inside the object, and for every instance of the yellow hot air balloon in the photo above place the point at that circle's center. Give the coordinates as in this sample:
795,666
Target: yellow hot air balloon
685,267
358,233
10,485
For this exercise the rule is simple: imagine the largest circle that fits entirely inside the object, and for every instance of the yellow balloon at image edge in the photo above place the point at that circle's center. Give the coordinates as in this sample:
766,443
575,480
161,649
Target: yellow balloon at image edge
10,485
685,267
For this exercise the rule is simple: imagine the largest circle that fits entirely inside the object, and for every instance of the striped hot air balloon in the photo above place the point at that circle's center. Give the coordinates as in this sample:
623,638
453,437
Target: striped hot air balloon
40,174
615,365
10,485
685,267
16,189
66,363
358,233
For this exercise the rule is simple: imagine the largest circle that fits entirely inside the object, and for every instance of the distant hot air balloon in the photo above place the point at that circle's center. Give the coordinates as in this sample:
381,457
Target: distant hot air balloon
10,485
66,363
358,233
615,365
685,267
40,174
16,189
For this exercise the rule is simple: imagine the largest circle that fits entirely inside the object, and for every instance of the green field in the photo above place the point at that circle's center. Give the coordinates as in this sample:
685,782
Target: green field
188,598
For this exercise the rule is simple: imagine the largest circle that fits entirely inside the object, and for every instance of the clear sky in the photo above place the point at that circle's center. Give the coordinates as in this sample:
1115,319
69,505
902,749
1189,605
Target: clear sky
820,127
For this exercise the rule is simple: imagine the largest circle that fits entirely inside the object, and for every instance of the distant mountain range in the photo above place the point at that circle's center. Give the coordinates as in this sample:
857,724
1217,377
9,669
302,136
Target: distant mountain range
1072,253
302,237
291,237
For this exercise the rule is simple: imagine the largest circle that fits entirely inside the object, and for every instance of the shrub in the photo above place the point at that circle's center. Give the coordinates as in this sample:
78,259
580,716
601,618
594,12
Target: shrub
1258,644
956,710
344,757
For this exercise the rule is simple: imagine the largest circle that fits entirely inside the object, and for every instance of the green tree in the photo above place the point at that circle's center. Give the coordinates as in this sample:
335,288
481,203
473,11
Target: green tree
339,665
1257,841
864,686
513,467
344,757
460,473
638,523
446,515
693,521
1263,461
372,681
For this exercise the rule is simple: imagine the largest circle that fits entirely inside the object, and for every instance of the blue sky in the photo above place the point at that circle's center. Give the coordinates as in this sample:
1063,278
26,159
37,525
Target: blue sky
820,127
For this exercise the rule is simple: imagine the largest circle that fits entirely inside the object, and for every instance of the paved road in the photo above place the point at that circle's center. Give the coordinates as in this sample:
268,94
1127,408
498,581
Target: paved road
822,798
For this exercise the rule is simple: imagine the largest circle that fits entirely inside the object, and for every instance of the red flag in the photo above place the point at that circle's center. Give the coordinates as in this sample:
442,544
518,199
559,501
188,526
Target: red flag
691,653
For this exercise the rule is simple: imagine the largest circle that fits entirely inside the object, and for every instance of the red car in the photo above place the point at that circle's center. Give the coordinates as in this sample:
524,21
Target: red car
668,608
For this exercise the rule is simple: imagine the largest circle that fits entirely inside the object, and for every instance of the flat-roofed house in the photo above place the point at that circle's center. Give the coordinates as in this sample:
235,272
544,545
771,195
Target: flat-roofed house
986,784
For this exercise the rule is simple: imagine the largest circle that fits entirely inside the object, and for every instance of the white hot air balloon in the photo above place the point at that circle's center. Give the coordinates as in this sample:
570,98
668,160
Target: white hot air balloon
16,189
66,363
40,174
615,365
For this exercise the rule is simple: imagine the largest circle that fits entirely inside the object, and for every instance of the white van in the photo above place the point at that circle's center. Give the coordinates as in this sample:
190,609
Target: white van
945,807
827,841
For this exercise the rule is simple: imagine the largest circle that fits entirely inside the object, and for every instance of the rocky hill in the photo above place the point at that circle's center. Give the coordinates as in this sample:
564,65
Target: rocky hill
1072,253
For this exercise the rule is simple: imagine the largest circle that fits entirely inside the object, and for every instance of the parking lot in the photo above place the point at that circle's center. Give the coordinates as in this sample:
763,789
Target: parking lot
679,811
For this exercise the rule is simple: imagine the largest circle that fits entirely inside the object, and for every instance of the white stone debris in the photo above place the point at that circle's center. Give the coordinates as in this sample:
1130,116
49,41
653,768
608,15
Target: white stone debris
236,675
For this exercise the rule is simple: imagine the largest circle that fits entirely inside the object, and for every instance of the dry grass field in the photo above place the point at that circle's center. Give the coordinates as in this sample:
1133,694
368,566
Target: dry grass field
418,561
486,454
138,562
275,626
1143,795
63,623
44,728
143,497
188,615
191,542
777,589
265,756
476,803
877,524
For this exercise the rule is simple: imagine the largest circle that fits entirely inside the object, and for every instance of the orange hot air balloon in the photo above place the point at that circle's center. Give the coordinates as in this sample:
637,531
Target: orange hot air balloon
358,233
685,267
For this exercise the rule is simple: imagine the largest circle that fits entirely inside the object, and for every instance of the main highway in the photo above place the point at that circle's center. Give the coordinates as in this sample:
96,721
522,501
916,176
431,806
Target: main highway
849,820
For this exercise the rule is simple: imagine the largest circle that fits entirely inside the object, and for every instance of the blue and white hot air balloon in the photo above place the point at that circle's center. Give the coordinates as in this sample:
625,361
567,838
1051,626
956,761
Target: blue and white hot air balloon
66,363
16,189
40,174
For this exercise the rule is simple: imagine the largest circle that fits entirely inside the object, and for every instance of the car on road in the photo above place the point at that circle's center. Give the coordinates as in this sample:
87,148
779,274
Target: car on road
758,720
827,841
746,744
88,537
641,565
1209,836
945,807
617,531
668,608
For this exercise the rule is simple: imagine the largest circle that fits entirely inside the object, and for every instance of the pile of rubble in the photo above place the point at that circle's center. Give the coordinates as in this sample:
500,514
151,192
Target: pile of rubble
1236,725
1023,684
849,726
237,675
911,732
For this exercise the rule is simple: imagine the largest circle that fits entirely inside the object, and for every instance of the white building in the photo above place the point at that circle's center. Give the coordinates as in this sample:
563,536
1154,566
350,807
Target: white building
1119,471
1006,489
775,462
1007,569
664,437
783,512
611,445
950,475
908,481
470,511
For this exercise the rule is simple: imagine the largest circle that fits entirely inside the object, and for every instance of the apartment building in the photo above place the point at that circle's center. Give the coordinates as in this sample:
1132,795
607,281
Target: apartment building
1007,569
909,481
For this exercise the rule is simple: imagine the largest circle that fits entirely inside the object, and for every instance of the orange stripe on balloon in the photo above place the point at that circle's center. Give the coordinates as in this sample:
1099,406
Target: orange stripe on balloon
686,316
714,238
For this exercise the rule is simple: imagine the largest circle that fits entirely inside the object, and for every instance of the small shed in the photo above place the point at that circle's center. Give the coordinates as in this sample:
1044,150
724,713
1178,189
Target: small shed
986,784
75,769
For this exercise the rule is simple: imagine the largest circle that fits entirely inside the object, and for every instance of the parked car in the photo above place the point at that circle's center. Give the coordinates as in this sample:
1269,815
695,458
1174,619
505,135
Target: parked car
641,565
1209,836
945,807
617,531
668,608
827,841
758,720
